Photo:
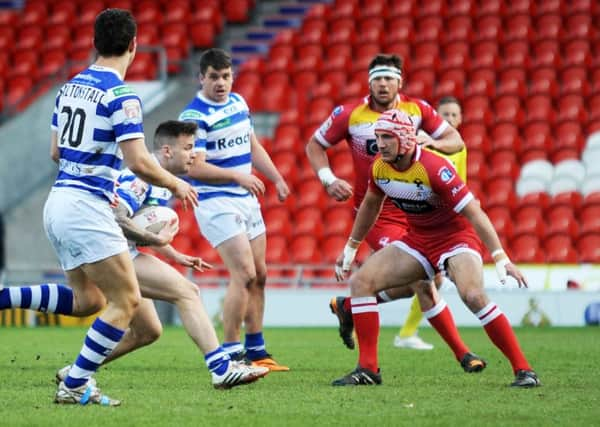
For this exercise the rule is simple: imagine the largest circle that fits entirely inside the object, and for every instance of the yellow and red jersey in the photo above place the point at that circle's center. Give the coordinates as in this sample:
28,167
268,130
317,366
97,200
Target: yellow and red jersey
429,192
354,122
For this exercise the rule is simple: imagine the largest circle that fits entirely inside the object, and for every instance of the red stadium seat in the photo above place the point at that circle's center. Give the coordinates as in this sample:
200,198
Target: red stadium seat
25,63
503,163
432,8
476,164
499,192
526,249
30,38
343,165
311,194
401,9
539,109
459,28
475,136
236,11
502,220
518,7
508,109
144,67
52,61
529,220
308,221
505,136
543,81
551,7
425,55
484,55
450,83
588,248
559,249
574,81
512,81
477,110
63,13
35,14
488,28
579,26
18,88
304,250
561,221
277,249
90,9
548,27
538,200
338,221
571,108
518,28
568,135
536,136
516,55
430,29
332,247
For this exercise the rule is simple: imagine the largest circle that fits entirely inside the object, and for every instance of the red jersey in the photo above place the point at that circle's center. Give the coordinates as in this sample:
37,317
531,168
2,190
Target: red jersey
429,192
354,122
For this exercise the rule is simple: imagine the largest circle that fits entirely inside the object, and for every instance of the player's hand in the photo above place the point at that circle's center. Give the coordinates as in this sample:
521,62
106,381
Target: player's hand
167,234
424,139
343,263
185,192
283,191
194,262
340,190
251,183
514,272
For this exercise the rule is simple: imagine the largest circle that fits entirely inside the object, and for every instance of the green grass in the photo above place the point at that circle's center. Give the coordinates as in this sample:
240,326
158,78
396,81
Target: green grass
168,383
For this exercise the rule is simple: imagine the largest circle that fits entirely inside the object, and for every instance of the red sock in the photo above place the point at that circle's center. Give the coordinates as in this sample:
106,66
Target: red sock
498,328
365,314
441,319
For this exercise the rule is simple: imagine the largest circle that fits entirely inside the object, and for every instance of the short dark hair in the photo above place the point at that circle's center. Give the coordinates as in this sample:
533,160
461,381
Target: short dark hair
167,132
449,100
217,58
385,59
114,30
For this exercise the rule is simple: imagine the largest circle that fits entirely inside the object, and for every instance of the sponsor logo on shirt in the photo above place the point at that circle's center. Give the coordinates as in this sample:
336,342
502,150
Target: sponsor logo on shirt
122,90
337,110
133,111
456,189
445,174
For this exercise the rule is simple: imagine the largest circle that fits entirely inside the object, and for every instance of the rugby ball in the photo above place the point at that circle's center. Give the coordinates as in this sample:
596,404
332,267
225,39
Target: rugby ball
154,218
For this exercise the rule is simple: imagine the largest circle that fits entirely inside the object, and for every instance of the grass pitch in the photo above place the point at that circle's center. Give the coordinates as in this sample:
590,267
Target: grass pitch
167,384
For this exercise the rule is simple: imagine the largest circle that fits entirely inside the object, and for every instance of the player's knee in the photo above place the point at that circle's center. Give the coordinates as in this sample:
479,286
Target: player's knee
151,334
474,298
360,285
261,279
88,303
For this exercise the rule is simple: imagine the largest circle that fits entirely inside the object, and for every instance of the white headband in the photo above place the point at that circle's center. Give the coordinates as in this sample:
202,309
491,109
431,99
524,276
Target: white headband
384,71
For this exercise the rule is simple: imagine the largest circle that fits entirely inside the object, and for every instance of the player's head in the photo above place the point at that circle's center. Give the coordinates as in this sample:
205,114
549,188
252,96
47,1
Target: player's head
385,78
450,109
114,33
216,74
174,145
395,135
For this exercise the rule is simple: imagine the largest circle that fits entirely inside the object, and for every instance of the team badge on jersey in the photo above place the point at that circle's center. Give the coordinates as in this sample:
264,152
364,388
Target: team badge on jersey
337,110
133,111
445,174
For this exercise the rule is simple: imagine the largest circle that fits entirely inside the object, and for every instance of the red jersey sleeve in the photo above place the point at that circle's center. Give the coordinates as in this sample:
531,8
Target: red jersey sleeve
335,128
431,121
445,182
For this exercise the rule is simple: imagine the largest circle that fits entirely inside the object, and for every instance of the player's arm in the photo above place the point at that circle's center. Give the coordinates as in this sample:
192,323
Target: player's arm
486,232
54,154
368,212
170,252
140,236
449,142
138,159
204,171
263,163
337,188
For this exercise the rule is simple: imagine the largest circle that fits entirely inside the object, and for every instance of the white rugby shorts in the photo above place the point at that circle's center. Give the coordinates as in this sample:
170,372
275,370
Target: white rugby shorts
81,227
222,218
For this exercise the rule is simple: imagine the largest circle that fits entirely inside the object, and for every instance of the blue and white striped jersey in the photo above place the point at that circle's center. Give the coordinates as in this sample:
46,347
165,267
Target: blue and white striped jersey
134,193
224,133
94,111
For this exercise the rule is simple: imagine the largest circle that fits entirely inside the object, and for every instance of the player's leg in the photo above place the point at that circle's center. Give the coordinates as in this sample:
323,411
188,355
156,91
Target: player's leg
466,270
236,254
52,298
144,329
384,269
254,341
115,277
